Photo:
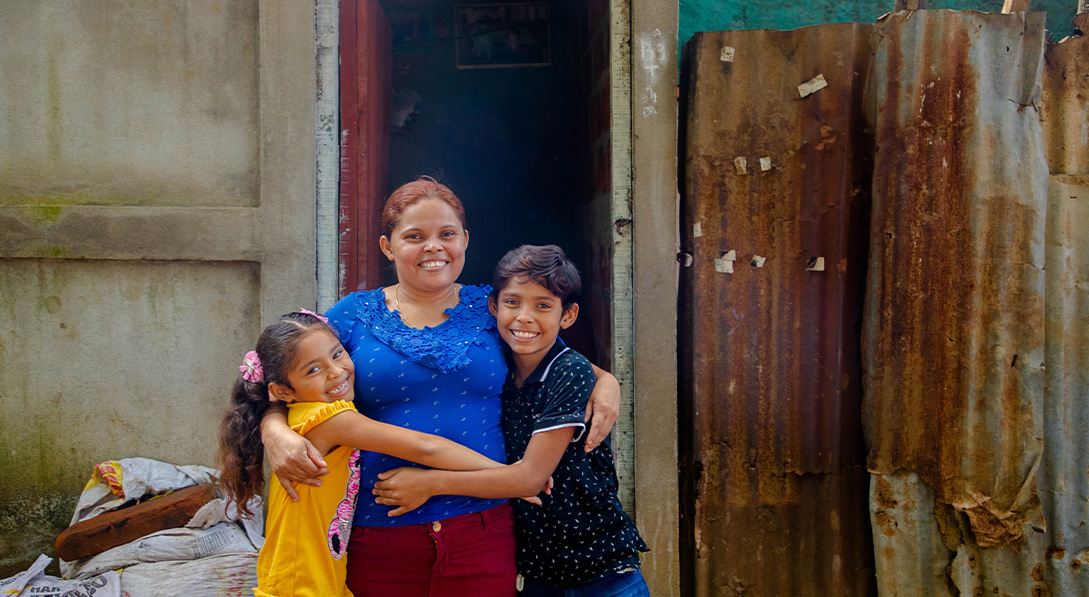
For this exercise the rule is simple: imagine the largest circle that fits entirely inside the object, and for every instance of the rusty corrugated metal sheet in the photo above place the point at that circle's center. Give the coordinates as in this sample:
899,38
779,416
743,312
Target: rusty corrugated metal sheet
924,547
1064,473
770,312
1066,103
1063,477
953,340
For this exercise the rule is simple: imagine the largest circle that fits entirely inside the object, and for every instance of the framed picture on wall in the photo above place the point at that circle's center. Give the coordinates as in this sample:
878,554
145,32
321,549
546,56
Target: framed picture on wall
515,34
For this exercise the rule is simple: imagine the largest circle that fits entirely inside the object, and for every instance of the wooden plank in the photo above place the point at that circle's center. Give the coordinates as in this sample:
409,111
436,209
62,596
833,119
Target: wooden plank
349,144
327,13
909,5
118,527
366,54
1010,6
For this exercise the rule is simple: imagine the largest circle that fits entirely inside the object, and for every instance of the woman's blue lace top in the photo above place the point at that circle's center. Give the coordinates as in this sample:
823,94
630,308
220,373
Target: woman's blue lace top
444,347
445,380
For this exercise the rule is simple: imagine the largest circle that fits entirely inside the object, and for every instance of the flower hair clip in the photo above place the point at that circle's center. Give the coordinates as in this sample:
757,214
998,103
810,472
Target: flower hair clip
323,318
251,368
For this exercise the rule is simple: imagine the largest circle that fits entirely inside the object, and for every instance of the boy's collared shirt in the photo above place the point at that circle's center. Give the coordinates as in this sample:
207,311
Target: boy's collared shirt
580,533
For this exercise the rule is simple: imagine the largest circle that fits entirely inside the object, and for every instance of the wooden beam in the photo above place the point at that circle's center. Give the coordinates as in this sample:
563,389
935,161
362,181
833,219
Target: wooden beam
1009,6
909,5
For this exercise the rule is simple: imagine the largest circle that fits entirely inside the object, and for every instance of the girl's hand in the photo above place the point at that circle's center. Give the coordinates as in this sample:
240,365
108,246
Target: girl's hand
603,408
292,457
404,487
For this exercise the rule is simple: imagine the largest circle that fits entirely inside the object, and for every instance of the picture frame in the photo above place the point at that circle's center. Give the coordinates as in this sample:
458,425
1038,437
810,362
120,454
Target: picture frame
506,35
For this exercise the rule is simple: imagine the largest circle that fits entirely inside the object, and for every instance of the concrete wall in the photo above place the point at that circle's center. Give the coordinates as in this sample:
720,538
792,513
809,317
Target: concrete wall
156,207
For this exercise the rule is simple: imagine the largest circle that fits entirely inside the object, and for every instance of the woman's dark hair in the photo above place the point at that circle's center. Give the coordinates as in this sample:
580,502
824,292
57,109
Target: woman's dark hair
409,193
241,454
545,265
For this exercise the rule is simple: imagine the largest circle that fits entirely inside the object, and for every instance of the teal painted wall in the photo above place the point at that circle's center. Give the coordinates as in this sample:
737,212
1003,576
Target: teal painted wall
720,15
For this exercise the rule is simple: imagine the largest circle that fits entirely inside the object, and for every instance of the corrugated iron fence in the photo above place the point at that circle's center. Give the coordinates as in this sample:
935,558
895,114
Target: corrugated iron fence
885,358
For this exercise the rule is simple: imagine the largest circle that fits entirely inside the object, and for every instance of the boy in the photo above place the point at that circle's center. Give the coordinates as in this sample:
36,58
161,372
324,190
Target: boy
578,541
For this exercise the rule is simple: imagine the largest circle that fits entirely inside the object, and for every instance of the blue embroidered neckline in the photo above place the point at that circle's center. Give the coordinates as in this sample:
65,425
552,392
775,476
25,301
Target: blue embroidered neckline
444,347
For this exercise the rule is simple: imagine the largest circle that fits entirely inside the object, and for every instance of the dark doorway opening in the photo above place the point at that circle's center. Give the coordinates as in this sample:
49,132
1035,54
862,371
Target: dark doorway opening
524,142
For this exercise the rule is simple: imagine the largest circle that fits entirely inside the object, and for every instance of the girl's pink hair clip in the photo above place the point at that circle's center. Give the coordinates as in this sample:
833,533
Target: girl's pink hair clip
323,318
251,368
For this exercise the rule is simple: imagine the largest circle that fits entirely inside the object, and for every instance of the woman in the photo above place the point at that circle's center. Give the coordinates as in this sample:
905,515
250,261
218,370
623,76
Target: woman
427,358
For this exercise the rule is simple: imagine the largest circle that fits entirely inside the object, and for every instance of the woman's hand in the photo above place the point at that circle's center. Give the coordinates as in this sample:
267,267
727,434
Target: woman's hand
405,487
603,408
292,457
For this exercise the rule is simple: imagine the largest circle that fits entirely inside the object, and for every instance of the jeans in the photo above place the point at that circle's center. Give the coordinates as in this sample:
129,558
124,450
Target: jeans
623,584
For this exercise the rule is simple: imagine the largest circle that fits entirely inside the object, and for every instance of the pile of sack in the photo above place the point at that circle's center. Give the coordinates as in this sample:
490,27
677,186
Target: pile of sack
148,528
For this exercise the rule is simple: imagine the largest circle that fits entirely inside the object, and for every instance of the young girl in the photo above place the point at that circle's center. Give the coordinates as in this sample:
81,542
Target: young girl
299,361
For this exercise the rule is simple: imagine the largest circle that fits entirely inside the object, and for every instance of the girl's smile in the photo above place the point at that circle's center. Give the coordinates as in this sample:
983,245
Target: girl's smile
322,372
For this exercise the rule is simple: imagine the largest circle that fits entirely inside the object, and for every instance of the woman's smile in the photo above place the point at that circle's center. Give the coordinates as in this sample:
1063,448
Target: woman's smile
433,264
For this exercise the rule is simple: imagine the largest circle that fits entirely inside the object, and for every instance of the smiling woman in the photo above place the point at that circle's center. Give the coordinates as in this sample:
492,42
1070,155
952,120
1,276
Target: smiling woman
428,358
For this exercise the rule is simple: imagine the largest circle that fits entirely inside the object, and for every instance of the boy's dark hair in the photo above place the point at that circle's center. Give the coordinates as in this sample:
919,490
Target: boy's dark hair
241,454
545,265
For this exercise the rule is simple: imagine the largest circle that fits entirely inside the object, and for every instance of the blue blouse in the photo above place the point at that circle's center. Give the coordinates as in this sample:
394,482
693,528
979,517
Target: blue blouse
444,380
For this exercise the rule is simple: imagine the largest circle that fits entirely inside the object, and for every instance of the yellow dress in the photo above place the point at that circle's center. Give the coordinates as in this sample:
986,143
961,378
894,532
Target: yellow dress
306,541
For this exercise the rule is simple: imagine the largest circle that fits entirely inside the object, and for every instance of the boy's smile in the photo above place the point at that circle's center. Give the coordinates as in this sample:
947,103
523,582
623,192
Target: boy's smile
529,318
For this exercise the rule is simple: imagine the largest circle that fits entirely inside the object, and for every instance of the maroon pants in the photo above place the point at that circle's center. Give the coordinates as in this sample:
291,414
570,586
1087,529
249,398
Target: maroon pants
471,554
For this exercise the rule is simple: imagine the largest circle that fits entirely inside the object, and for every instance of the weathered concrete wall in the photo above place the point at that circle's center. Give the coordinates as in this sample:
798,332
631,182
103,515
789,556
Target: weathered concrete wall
721,15
156,206
128,103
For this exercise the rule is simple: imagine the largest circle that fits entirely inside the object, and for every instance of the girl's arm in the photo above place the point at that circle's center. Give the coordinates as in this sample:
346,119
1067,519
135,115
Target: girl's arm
603,408
291,456
407,488
350,428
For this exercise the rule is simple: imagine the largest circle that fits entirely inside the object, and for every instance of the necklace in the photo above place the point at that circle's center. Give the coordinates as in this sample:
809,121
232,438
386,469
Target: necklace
397,303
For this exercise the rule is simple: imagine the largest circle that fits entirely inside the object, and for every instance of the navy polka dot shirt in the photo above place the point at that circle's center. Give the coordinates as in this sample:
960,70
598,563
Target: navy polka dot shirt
580,533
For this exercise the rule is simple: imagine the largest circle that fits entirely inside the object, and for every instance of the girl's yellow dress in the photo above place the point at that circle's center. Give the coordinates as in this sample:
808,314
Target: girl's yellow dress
306,541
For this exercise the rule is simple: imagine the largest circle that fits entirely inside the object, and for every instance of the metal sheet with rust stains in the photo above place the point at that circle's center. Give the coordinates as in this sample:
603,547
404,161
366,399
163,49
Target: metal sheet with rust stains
1066,103
953,340
776,186
924,547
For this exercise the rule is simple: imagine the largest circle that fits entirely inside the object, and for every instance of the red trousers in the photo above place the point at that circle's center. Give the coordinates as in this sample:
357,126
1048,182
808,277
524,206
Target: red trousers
471,554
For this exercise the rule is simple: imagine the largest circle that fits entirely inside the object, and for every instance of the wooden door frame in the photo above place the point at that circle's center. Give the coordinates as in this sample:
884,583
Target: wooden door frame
364,80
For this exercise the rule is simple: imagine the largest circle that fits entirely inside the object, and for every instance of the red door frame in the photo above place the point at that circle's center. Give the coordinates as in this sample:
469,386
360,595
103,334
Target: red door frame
365,62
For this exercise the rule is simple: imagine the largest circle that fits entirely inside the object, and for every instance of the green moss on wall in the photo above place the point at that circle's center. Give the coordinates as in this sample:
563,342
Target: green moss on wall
29,525
41,214
55,199
51,252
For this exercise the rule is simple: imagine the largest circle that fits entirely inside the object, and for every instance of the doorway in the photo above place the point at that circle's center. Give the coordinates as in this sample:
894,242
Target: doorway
505,103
